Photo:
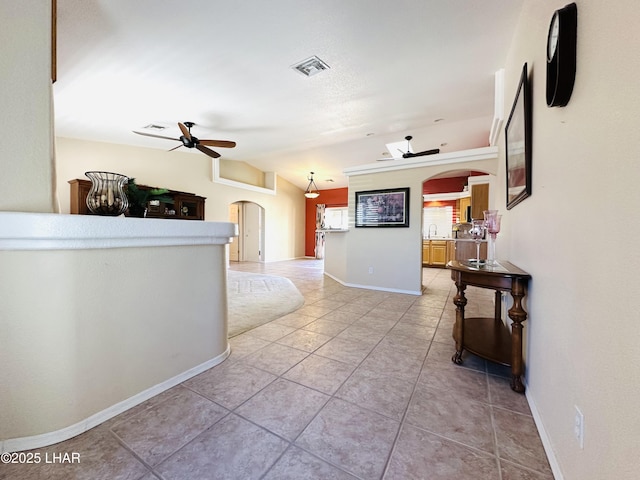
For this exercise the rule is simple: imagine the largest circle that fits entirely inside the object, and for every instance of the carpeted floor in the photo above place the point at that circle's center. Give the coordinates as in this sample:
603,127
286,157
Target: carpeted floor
256,299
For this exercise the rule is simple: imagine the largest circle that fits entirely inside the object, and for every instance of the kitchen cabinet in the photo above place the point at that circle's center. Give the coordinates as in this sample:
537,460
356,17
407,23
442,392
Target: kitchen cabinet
436,253
479,200
463,203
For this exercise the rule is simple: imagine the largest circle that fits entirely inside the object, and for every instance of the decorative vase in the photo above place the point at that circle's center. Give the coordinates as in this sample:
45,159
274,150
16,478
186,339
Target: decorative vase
107,196
492,222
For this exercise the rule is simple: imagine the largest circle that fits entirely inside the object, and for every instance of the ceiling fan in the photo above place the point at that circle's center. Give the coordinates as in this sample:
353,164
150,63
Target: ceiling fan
409,153
190,141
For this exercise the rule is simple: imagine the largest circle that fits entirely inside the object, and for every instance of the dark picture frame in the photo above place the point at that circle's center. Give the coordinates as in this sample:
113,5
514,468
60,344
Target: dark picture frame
518,144
383,208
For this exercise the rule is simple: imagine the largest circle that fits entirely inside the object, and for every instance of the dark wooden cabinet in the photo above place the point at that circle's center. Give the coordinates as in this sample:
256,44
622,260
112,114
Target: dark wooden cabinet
185,206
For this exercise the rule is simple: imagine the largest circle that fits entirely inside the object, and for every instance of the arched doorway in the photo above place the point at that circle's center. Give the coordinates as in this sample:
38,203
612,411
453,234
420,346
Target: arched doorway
248,246
451,199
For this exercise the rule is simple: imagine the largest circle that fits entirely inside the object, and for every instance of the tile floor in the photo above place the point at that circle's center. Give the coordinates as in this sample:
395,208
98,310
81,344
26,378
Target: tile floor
357,384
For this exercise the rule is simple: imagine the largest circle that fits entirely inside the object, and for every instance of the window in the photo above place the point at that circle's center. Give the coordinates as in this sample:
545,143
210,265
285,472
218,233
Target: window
439,219
336,217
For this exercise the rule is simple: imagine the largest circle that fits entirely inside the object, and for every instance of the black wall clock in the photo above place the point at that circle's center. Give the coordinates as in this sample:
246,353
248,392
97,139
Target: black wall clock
561,55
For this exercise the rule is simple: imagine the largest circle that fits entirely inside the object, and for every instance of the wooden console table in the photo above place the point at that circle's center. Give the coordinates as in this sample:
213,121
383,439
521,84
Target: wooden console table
489,338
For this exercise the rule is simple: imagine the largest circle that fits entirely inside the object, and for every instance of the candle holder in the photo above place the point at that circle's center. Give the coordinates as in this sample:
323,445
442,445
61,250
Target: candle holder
107,196
477,233
492,222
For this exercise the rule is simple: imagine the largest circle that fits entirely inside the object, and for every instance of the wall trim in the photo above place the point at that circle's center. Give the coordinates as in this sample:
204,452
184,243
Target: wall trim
475,154
53,231
544,436
49,438
373,287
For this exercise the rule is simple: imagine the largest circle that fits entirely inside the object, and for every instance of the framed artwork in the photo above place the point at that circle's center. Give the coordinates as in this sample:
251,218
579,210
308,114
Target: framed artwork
383,208
518,144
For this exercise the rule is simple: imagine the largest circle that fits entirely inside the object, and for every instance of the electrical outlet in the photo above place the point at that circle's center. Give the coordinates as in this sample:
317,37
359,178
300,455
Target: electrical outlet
370,270
578,427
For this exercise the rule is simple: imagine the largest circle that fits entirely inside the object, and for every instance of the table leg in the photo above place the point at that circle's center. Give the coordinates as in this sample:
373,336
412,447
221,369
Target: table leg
518,315
498,306
458,328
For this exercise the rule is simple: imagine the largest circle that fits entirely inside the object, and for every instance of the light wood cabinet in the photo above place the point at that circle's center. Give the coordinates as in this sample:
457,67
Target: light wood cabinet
436,253
463,203
479,200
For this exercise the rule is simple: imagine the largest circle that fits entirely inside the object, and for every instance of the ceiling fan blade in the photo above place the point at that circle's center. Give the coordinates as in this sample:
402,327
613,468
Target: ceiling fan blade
177,146
420,154
184,130
218,143
207,151
155,136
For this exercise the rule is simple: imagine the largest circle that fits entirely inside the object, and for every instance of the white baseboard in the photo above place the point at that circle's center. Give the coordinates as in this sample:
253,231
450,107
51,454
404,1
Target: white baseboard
45,439
372,287
544,437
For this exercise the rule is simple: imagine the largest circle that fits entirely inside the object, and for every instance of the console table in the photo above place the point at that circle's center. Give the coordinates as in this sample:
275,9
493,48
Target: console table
489,338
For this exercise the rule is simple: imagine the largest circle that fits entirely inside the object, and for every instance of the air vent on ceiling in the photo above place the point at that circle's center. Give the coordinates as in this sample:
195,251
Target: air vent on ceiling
310,66
153,126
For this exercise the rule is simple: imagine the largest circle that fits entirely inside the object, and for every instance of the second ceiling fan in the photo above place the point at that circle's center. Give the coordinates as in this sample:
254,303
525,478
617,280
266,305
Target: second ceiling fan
409,153
191,141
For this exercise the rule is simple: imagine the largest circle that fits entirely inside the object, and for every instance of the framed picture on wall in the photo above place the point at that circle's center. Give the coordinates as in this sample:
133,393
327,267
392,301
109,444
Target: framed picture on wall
383,208
518,144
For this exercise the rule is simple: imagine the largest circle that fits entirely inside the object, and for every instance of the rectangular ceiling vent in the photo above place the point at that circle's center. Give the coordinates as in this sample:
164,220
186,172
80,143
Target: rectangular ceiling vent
310,66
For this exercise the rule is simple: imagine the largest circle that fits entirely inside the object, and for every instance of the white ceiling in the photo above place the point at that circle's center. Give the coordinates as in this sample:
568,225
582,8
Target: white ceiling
396,67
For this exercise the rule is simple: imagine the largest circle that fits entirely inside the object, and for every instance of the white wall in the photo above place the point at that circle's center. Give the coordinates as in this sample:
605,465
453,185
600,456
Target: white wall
107,324
189,172
577,236
26,163
395,254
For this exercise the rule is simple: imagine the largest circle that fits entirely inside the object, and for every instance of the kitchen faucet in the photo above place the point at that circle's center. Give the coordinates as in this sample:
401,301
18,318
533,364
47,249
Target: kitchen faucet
435,230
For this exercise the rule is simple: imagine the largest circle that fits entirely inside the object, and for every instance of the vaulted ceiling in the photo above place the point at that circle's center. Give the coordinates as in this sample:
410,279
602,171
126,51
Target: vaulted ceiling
396,67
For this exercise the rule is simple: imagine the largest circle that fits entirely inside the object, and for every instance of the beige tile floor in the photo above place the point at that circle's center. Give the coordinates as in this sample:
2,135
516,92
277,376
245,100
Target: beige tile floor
357,384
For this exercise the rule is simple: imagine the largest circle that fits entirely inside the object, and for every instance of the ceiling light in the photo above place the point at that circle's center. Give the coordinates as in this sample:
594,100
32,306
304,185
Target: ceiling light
312,189
310,66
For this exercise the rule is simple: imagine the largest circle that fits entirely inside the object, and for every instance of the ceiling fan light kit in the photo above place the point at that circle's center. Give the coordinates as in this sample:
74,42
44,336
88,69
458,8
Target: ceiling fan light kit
189,140
312,189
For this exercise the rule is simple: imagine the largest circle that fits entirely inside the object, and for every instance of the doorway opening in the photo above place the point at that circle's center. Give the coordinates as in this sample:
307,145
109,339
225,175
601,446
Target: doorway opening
248,246
450,200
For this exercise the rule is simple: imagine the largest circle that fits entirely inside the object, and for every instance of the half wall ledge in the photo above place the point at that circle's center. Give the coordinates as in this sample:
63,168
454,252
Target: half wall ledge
98,314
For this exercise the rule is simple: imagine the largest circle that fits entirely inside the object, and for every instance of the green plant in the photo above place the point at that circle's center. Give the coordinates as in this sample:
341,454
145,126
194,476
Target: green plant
140,197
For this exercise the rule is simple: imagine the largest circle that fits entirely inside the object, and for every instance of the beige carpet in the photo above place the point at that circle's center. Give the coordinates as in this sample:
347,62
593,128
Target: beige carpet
256,299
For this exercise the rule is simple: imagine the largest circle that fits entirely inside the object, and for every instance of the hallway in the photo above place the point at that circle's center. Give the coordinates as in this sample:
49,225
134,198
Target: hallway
356,384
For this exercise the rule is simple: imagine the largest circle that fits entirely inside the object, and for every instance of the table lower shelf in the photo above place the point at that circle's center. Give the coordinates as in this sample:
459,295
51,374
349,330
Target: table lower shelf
488,338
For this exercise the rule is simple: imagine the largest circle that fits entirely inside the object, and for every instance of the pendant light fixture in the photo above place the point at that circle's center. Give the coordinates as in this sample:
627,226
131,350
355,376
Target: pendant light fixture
312,189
